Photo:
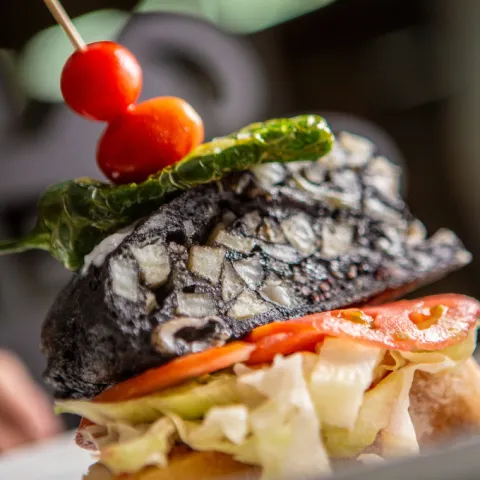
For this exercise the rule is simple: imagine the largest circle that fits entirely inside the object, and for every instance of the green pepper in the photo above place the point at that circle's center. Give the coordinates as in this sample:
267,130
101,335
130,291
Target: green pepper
74,216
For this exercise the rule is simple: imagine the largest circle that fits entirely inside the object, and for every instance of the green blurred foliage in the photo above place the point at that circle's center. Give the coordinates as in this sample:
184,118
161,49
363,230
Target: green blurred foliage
41,62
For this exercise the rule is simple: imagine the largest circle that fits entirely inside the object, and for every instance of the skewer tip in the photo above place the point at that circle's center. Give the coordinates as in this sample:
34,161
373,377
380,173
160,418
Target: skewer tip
66,23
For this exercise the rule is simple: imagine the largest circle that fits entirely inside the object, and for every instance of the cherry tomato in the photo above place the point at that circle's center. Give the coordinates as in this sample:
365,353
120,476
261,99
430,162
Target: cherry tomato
101,81
147,138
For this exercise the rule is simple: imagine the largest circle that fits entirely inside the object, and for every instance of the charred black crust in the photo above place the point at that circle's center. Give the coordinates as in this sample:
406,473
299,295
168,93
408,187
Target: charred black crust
93,338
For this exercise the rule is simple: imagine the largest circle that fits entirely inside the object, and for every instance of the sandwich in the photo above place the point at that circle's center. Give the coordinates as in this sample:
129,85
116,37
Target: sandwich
244,312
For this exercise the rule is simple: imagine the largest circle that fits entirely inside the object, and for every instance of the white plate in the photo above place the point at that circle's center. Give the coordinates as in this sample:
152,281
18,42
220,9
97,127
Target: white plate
56,459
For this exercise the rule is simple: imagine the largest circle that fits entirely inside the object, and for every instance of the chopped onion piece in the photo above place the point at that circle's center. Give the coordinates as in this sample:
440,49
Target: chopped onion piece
247,305
206,262
333,197
316,173
384,176
232,284
392,242
150,302
196,304
270,232
239,244
380,211
285,253
347,181
416,233
299,233
275,292
359,148
250,270
154,263
251,221
124,279
189,228
269,174
335,159
298,166
337,239
98,255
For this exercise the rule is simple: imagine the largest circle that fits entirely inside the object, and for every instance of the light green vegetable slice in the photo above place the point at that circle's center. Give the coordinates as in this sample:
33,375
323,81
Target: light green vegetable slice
189,401
373,416
150,448
343,372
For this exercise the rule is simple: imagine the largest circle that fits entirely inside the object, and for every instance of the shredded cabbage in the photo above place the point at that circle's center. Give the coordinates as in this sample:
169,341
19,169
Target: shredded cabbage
289,417
286,429
190,401
148,448
374,415
398,437
343,372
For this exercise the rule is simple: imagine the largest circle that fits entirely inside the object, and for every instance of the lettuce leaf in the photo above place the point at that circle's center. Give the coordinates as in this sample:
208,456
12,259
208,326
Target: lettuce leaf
285,428
204,438
374,415
288,417
149,448
343,372
190,401
398,437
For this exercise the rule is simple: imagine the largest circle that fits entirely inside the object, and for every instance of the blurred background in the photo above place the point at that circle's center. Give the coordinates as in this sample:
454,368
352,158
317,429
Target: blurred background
404,72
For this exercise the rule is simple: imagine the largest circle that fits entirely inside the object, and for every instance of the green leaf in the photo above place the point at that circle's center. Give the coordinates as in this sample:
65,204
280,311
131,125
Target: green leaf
76,215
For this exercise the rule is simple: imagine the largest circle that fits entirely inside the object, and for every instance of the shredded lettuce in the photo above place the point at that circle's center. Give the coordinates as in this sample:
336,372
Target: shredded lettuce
202,439
398,437
286,429
374,415
289,417
189,401
229,422
343,372
148,448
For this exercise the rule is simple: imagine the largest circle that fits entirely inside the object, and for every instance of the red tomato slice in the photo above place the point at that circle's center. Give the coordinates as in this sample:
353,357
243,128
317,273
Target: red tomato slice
289,327
177,371
284,344
394,325
430,323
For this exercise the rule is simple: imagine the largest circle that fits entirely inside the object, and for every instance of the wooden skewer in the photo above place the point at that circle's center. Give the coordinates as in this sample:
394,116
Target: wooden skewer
64,21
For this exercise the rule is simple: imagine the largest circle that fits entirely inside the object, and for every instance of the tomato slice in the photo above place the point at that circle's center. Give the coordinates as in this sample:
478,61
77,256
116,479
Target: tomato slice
288,327
284,344
430,323
177,371
395,325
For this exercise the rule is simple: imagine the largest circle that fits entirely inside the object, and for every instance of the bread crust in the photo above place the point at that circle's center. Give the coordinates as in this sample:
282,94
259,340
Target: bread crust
442,405
446,404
